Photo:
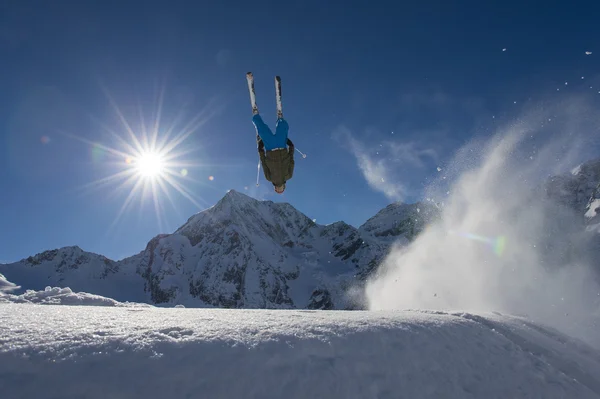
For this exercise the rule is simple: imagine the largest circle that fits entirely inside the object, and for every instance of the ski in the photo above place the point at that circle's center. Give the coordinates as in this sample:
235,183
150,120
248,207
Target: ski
250,79
278,97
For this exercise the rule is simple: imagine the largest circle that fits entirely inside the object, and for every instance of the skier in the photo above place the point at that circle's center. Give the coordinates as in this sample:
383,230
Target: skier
276,151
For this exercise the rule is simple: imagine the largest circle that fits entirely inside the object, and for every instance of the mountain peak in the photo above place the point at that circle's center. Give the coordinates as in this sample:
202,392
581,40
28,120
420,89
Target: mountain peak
591,167
401,219
235,198
236,195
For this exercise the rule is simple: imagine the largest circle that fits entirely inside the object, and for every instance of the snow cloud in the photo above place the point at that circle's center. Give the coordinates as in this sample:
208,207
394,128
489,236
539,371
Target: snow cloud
500,245
380,162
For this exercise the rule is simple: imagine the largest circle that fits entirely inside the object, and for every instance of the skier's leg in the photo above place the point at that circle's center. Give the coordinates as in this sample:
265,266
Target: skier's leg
263,130
281,133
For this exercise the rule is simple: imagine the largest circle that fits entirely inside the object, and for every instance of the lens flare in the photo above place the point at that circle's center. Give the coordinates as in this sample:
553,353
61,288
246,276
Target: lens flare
497,244
98,153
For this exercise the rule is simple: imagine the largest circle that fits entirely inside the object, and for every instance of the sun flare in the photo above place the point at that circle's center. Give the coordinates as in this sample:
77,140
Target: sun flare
150,164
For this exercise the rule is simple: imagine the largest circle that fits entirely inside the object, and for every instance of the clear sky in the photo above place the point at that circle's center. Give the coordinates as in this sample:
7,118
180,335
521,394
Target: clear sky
377,94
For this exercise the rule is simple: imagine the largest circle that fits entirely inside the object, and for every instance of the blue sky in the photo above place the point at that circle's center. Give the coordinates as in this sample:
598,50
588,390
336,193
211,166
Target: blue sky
373,92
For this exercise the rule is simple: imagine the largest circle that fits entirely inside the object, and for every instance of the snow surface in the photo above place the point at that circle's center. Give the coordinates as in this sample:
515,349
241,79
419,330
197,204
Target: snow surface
72,352
63,296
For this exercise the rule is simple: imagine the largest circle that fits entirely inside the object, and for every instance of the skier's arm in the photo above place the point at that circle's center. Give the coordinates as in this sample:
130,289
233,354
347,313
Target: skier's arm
291,168
291,148
292,163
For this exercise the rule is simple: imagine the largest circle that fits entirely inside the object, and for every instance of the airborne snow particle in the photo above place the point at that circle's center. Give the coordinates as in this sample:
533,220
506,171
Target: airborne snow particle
211,178
566,83
504,49
588,52
184,172
439,169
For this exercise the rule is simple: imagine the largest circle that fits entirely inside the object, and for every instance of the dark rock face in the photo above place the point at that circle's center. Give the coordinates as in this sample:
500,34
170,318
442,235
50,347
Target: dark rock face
320,299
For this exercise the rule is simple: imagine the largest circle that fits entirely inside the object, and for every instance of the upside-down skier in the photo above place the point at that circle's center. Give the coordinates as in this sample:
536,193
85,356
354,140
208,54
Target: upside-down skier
276,150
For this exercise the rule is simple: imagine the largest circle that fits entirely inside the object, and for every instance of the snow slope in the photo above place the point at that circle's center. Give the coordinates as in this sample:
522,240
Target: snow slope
72,352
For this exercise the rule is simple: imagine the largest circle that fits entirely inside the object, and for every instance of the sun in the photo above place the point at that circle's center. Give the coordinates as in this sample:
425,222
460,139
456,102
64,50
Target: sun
150,164
146,161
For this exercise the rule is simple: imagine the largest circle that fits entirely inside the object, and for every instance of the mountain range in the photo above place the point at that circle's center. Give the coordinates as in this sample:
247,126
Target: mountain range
247,253
239,253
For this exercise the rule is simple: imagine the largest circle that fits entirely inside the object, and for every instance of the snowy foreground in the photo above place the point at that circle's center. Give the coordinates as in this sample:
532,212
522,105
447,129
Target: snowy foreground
51,351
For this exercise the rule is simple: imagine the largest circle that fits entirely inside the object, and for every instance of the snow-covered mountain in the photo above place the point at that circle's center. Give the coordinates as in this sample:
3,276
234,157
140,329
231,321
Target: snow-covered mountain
240,253
246,253
580,190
